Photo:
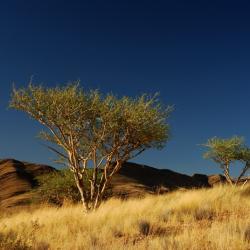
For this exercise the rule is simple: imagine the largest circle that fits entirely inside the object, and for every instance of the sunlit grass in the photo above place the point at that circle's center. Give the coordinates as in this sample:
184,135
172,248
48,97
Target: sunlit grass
215,218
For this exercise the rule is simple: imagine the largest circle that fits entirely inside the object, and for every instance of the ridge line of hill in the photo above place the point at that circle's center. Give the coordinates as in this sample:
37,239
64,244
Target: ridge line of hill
18,178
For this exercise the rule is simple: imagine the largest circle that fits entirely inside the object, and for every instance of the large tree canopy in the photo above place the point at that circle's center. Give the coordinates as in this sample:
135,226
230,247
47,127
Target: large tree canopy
94,131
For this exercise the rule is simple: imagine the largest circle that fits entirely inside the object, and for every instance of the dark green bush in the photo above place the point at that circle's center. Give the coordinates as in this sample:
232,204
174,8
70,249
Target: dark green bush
57,187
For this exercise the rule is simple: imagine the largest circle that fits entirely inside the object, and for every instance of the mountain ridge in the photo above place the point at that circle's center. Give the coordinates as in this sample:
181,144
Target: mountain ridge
18,178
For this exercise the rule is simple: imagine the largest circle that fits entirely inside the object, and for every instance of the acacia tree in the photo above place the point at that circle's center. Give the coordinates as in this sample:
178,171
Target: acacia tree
227,151
244,157
91,131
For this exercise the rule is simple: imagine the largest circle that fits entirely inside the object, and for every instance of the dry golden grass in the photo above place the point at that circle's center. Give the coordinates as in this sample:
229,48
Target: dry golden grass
217,218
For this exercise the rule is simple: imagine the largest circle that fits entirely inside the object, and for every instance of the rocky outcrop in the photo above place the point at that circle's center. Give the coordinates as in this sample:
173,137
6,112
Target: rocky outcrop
216,179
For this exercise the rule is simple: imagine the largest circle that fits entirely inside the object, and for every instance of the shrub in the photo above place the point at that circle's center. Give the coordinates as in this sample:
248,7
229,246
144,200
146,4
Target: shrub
57,187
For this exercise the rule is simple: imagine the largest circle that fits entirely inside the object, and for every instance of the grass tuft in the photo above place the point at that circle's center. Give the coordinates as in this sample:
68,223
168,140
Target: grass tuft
144,227
247,234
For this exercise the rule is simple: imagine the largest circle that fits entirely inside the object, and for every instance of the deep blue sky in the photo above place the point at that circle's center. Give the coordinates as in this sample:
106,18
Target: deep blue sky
195,53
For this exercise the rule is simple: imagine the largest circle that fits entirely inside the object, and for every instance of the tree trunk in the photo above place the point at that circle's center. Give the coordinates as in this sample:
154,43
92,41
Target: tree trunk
244,170
80,187
105,181
227,174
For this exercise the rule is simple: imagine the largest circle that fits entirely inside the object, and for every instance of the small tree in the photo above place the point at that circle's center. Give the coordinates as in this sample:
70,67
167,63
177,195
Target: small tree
91,131
244,157
227,151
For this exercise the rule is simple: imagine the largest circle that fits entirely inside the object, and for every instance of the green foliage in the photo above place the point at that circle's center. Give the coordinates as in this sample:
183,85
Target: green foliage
224,151
244,154
94,119
57,187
